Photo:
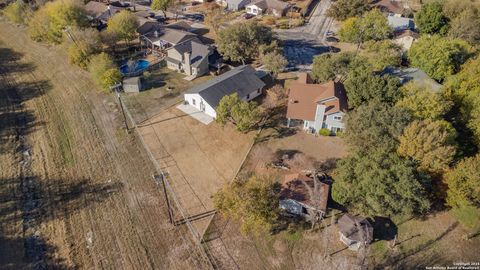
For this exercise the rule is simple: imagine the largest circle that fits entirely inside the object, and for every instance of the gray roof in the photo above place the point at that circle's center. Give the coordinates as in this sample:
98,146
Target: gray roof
236,2
101,11
347,225
241,80
197,51
415,75
400,23
171,36
271,4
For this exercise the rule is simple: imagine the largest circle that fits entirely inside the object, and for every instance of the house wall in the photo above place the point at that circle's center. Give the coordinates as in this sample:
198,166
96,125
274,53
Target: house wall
237,5
253,9
332,124
199,100
202,67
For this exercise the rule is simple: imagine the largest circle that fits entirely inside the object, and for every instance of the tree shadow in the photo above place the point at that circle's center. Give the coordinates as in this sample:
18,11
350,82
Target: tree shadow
30,260
384,229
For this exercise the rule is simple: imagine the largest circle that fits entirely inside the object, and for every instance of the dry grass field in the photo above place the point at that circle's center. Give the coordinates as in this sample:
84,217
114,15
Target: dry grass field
75,190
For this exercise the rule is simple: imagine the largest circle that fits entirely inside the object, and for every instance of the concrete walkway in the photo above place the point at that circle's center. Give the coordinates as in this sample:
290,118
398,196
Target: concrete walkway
193,112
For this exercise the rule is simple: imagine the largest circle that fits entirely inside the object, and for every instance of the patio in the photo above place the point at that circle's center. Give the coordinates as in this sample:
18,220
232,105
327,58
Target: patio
195,113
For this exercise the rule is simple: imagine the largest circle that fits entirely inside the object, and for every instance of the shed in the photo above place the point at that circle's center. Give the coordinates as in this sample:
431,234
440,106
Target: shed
355,231
132,84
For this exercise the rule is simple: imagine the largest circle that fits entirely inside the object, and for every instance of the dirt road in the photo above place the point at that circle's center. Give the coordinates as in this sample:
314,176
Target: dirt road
75,190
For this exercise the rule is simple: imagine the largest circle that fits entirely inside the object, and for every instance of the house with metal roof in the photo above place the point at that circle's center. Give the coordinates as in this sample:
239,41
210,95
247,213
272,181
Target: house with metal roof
242,80
316,106
189,57
400,23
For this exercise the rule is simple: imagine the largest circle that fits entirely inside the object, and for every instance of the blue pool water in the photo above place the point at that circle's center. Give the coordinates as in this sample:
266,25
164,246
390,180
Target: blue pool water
140,65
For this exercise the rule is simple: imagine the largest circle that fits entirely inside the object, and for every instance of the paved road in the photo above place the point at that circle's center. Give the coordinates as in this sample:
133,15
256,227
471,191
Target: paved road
302,43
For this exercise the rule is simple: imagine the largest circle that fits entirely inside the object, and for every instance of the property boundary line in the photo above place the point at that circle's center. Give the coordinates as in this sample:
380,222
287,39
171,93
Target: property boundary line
197,237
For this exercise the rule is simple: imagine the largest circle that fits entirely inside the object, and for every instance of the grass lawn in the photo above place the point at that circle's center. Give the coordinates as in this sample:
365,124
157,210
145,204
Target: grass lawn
162,89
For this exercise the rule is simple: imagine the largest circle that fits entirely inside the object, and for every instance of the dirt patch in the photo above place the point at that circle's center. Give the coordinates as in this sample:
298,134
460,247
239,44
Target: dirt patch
75,192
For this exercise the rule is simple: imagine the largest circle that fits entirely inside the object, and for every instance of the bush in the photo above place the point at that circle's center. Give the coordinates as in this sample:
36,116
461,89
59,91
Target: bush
104,71
87,44
324,132
339,134
269,20
17,12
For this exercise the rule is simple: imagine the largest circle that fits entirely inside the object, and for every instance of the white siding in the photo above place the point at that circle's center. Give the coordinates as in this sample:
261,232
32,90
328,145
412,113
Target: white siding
331,122
195,100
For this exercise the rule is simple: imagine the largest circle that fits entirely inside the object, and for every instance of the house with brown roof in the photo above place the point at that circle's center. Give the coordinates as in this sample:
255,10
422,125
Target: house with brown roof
355,231
275,7
316,106
405,38
100,12
396,7
305,196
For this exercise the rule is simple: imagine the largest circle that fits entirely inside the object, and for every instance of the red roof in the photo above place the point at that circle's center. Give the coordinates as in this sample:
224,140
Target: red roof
304,96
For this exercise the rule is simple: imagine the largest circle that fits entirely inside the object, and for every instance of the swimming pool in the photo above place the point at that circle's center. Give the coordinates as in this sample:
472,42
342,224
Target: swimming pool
135,67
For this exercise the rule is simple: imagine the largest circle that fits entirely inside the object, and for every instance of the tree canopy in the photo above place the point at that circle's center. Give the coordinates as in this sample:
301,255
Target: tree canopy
17,12
50,21
382,54
162,5
439,57
241,41
343,9
423,103
431,20
464,87
253,202
372,26
123,25
464,183
243,114
380,183
363,86
214,18
329,66
274,62
104,71
86,44
375,125
430,143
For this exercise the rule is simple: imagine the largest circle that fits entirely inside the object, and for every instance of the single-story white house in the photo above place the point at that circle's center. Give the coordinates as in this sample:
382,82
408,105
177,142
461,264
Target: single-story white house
317,105
275,7
241,80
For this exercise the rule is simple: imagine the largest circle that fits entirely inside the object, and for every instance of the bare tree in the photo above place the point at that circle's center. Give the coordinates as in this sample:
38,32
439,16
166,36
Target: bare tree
316,194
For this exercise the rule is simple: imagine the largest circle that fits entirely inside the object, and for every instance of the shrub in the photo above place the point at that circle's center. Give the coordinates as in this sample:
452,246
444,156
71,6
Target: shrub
87,44
104,71
324,132
17,12
339,134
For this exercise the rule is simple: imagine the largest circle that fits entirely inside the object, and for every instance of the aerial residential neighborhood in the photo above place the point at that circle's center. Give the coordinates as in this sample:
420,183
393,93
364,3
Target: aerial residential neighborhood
240,134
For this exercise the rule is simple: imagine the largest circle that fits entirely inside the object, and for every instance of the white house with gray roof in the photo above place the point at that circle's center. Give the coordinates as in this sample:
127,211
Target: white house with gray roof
241,80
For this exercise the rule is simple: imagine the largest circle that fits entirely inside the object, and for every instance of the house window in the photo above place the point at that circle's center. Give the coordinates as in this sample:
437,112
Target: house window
193,101
337,118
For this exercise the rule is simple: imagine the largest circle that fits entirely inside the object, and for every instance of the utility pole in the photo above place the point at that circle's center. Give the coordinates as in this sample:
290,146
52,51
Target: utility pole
116,88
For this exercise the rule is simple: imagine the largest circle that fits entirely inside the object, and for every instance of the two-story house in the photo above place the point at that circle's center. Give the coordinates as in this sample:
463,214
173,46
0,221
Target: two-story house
189,57
316,106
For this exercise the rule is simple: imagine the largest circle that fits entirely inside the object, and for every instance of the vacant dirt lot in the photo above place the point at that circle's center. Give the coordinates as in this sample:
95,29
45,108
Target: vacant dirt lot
199,158
75,190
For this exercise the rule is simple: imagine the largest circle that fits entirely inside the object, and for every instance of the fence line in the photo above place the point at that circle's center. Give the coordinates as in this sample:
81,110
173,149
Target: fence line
193,231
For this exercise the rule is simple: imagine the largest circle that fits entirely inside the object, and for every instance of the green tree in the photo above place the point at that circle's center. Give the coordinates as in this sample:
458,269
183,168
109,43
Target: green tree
274,62
363,86
430,143
330,66
104,71
242,41
123,25
162,5
51,21
423,103
343,9
375,125
464,183
439,57
87,43
253,202
382,54
17,12
380,183
243,114
372,26
464,87
431,20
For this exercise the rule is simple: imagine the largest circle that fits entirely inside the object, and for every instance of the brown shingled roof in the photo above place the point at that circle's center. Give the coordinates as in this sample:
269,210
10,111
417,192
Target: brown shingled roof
391,6
293,187
303,98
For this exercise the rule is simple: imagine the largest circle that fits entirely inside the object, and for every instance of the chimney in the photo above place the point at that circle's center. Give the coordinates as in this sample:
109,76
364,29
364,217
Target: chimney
186,63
